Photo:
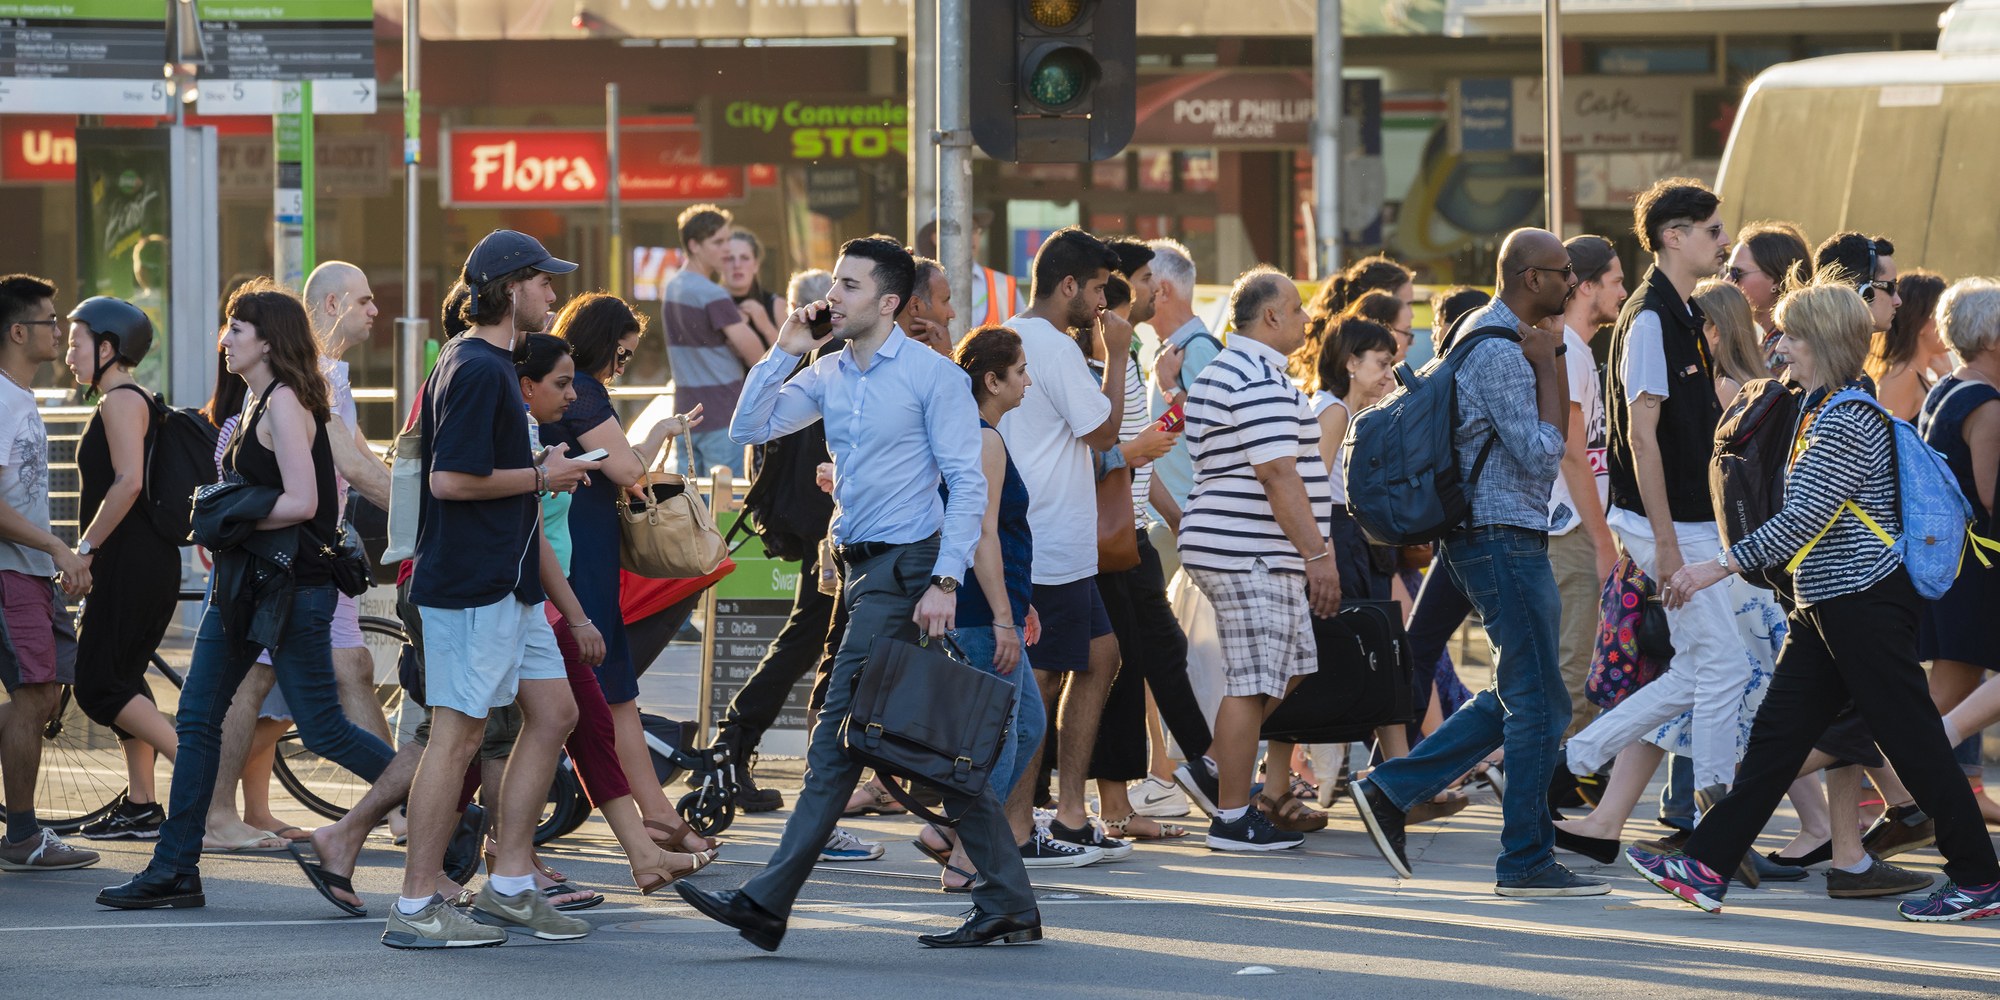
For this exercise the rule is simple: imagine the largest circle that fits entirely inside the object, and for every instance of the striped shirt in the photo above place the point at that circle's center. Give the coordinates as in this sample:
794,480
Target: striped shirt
1242,412
1131,423
1845,454
707,371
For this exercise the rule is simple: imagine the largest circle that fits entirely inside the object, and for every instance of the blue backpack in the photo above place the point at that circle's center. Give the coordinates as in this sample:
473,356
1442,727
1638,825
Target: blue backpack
1937,519
1403,483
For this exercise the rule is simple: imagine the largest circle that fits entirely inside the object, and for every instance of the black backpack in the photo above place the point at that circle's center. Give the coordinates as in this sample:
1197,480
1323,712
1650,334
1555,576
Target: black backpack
785,506
180,458
1746,476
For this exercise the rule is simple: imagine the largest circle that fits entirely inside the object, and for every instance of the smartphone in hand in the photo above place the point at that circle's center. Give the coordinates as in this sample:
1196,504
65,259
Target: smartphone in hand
1172,420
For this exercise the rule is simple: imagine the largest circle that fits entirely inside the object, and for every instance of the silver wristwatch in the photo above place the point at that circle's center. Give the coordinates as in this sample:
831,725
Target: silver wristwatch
84,548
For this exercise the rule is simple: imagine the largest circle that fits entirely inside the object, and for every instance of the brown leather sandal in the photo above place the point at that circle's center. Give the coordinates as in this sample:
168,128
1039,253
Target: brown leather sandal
681,839
652,880
1289,814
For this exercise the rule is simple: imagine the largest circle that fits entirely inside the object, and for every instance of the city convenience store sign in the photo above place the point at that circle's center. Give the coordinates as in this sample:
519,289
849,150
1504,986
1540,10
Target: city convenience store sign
834,127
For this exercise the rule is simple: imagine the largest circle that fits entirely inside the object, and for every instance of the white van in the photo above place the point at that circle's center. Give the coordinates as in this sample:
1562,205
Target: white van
1901,144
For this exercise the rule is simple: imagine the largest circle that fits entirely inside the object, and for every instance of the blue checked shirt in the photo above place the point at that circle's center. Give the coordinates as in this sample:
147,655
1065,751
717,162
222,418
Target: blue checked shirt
895,429
1496,396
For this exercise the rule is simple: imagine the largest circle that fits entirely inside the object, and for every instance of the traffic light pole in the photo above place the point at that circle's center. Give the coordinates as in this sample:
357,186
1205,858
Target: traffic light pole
954,142
923,75
412,329
1327,112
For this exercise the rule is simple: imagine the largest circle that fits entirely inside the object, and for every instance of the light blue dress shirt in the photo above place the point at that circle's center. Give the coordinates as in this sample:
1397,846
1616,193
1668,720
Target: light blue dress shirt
895,430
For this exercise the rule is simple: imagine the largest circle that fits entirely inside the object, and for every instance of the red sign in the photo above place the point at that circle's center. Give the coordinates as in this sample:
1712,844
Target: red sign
38,148
558,167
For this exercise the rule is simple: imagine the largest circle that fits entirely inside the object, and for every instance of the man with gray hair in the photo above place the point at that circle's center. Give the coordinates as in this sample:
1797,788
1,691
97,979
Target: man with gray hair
1186,347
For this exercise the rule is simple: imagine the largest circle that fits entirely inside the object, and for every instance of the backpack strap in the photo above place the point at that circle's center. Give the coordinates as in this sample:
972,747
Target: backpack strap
1456,352
1889,420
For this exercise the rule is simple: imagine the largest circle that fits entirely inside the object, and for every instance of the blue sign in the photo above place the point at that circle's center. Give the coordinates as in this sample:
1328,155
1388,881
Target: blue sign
1486,115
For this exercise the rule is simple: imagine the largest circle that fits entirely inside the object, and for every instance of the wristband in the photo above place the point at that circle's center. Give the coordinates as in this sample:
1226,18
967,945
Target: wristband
1322,555
582,624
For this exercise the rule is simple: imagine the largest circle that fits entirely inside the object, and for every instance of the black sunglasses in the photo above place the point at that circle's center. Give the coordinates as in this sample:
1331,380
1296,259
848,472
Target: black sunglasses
1568,270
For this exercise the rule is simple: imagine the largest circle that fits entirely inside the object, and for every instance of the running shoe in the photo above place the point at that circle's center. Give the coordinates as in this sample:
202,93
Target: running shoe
1158,798
1690,880
1044,851
43,852
1252,831
438,925
128,821
1385,824
844,846
530,911
1955,902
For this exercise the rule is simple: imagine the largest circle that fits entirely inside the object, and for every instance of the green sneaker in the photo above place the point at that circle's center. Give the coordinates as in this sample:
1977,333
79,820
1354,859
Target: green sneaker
530,911
438,925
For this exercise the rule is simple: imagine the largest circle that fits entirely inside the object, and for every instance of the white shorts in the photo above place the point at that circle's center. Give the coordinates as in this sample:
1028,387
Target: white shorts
476,658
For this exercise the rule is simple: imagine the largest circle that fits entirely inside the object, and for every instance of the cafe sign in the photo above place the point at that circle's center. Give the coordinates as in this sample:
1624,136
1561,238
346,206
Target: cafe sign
553,168
826,127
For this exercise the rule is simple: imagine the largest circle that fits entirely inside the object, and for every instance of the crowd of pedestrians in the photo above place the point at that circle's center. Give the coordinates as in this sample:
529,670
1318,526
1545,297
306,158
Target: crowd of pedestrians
1070,517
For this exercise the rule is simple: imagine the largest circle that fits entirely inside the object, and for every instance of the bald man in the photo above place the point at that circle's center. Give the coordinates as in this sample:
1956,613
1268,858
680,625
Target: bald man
342,309
1513,408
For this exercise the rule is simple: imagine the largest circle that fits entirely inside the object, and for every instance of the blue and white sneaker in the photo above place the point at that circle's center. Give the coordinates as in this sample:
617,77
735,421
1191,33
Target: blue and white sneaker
1692,881
1955,902
844,846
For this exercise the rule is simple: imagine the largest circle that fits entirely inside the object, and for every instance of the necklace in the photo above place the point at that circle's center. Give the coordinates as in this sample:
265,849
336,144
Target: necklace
17,382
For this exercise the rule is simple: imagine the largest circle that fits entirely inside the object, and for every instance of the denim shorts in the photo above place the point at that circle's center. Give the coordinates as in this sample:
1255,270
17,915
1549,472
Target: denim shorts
476,658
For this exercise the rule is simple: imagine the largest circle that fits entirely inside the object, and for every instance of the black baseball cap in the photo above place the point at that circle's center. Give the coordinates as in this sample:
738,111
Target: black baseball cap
505,251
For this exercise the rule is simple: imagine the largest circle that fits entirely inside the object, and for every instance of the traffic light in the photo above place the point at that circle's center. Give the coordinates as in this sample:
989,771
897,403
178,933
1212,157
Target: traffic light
1052,80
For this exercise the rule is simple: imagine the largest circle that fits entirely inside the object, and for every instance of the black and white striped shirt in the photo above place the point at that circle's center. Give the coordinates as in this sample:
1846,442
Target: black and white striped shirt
1242,412
1846,456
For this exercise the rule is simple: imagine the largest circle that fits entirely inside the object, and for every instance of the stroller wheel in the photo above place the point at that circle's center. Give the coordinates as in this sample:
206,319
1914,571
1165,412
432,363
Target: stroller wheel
707,809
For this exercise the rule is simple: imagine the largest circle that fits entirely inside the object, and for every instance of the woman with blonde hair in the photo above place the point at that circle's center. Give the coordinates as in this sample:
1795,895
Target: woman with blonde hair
1852,633
1731,334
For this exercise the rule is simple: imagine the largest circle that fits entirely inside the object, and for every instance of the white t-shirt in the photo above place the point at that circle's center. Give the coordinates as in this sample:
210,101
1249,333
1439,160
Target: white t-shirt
1336,477
1044,437
24,476
1644,365
1584,391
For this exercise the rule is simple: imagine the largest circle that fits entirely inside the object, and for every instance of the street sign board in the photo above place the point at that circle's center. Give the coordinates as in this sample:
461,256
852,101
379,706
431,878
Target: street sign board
253,44
83,57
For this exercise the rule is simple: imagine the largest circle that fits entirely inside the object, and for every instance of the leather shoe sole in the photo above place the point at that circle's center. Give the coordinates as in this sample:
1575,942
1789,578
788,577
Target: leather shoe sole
712,908
181,901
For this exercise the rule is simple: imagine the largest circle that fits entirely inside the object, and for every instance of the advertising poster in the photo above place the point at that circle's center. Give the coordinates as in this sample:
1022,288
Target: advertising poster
121,227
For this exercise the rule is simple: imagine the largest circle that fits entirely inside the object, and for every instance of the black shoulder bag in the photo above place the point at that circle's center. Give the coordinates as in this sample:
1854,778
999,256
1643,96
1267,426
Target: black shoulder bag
922,714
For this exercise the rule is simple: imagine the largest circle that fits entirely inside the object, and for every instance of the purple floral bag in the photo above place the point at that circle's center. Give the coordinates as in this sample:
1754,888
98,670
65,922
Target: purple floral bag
1633,644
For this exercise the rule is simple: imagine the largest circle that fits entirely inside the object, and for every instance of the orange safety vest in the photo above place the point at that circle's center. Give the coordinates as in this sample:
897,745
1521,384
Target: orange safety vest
998,284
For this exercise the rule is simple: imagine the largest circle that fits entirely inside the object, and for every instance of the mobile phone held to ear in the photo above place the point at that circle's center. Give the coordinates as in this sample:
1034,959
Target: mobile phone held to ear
593,455
1172,420
822,322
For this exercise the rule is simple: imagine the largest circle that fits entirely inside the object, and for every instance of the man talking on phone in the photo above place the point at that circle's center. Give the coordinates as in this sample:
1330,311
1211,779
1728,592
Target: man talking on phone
899,420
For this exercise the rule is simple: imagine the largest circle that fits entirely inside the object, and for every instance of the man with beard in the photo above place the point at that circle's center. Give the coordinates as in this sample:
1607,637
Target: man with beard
478,587
900,420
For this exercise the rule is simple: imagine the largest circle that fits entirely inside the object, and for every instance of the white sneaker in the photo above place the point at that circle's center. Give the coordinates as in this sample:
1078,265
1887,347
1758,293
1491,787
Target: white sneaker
844,846
1158,799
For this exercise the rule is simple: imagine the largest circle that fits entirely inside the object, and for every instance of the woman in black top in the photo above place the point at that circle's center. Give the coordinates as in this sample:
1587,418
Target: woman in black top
135,569
281,442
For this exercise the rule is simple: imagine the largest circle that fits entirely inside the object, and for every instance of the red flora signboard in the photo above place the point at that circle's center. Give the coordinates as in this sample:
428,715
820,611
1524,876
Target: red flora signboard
514,168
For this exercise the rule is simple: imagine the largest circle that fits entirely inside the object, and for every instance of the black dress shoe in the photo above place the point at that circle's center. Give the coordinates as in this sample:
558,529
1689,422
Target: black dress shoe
461,852
1602,850
981,927
730,906
149,890
1817,856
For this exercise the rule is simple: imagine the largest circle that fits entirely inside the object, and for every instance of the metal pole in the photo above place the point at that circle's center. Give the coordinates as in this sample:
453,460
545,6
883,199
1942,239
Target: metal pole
611,189
1552,85
923,76
1327,114
308,183
413,328
954,141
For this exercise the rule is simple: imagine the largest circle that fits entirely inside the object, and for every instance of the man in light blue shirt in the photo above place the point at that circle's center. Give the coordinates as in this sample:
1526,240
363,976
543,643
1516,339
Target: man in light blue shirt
899,419
1173,309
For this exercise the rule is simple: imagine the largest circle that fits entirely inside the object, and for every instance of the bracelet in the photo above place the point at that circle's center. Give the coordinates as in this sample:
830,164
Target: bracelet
1003,624
1322,555
582,624
541,481
1722,559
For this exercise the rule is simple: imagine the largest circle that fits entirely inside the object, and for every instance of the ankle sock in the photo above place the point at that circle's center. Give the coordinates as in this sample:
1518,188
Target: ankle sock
21,824
410,907
511,885
1232,815
1859,867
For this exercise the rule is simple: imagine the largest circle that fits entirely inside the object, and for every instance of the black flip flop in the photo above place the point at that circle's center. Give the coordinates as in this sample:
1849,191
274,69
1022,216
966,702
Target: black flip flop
943,860
566,889
324,881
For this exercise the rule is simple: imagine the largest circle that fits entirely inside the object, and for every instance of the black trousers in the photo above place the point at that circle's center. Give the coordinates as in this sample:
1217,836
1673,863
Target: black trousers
797,649
1153,651
1861,647
1439,610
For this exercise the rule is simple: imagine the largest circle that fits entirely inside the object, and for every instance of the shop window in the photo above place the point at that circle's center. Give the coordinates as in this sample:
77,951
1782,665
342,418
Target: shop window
1156,170
1628,59
1111,175
1198,171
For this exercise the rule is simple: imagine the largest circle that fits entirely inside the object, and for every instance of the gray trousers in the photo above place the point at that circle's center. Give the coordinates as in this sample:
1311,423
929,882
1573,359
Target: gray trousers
880,595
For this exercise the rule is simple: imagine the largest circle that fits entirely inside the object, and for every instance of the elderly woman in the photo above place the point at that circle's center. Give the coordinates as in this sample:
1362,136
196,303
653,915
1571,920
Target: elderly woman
1852,631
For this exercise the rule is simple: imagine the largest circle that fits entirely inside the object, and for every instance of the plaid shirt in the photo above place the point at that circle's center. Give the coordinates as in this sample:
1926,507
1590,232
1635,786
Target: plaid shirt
1496,396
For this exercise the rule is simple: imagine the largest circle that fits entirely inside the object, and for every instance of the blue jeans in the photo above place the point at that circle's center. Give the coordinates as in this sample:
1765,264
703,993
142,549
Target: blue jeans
1030,717
1505,573
703,450
304,663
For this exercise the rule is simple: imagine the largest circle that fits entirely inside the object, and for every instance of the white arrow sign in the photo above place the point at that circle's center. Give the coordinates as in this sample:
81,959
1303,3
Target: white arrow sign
261,97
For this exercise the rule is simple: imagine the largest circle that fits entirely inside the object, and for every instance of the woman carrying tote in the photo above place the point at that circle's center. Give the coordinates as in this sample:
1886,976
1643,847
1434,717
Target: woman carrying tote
602,333
1852,632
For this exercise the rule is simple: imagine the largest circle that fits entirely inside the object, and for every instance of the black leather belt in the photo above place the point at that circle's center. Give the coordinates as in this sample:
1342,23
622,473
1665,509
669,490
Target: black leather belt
856,552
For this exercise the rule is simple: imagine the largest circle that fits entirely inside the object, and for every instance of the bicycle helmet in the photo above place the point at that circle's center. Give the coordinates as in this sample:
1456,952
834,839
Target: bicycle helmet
126,325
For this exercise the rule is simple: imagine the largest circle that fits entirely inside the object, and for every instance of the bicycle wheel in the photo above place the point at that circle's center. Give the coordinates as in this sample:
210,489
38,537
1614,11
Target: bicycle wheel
567,808
83,766
319,784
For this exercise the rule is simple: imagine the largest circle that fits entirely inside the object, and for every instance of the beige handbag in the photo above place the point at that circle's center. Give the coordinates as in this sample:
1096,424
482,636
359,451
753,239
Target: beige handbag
672,537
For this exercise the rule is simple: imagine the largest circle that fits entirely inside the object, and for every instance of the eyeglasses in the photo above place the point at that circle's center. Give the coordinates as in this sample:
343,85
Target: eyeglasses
1714,232
1734,275
1567,270
39,322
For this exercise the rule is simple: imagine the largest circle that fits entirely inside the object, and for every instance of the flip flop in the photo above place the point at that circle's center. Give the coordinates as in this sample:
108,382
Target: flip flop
325,882
944,861
254,845
295,834
566,889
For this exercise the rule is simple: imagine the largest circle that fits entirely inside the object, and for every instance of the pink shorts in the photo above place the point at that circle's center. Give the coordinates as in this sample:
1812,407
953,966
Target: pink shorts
28,630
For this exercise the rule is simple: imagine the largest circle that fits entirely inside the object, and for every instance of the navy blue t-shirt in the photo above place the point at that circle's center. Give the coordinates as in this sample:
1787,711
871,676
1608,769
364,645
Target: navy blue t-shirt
472,553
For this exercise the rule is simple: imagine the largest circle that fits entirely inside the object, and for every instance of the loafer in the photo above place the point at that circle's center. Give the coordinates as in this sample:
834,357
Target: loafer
1771,871
1551,882
731,907
1670,844
981,927
1811,859
1603,850
1384,822
1881,879
1899,830
151,890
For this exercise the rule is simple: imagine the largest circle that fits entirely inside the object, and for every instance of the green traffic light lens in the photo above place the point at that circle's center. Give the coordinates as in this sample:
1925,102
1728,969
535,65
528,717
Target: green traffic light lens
1050,15
1060,78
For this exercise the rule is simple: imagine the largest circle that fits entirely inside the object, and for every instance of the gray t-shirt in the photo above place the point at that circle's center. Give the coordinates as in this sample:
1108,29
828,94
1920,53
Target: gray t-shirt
24,476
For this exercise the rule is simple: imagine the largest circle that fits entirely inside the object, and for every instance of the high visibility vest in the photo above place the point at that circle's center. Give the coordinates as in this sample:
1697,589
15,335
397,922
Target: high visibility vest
1002,291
